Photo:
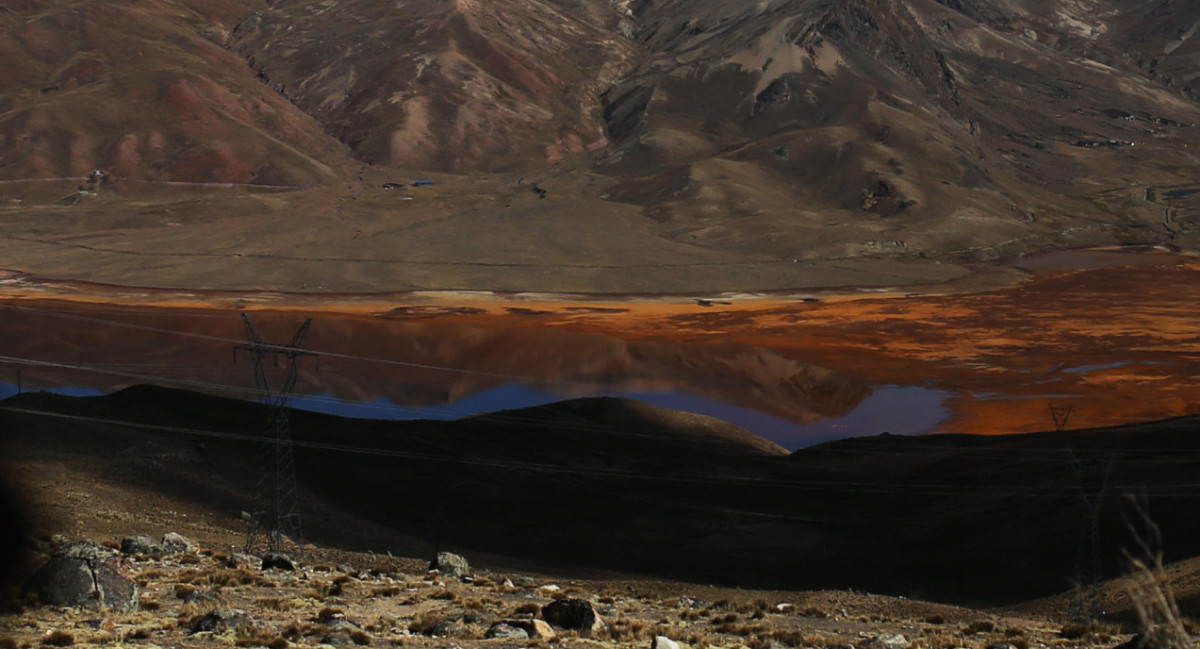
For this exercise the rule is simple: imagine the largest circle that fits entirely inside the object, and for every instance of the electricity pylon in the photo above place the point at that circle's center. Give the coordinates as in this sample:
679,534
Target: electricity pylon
276,498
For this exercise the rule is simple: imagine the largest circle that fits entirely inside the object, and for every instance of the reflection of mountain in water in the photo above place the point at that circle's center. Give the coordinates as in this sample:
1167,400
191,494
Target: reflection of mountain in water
409,363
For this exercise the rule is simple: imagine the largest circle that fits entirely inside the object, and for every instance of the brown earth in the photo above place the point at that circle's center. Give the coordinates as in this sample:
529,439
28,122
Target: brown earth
586,146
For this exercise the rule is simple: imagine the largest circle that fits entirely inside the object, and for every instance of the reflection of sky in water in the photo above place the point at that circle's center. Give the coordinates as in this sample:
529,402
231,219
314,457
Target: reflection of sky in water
9,389
897,409
900,410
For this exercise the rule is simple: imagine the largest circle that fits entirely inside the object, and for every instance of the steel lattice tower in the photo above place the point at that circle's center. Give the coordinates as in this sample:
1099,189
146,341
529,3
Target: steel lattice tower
1092,483
276,498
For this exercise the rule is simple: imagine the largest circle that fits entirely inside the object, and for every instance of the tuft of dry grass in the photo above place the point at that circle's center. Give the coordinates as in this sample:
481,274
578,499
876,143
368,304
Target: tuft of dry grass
526,609
359,637
58,638
425,624
137,634
328,613
252,636
979,626
8,643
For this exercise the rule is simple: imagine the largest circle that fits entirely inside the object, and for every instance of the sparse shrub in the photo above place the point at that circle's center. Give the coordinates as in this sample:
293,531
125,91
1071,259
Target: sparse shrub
249,636
424,625
183,590
328,613
444,595
936,618
149,605
154,573
58,638
111,544
271,603
137,634
360,638
386,591
728,618
190,559
8,643
979,626
528,608
322,567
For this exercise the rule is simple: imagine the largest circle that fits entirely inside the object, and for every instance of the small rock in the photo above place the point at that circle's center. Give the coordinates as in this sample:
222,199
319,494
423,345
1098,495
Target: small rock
340,621
509,584
450,564
573,614
174,543
143,545
533,628
503,631
663,642
345,568
447,629
1002,645
84,574
222,620
785,607
480,617
202,596
277,561
887,641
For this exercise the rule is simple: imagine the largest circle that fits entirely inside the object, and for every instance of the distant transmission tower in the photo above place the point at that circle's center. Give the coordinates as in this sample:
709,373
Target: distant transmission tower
276,499
1092,482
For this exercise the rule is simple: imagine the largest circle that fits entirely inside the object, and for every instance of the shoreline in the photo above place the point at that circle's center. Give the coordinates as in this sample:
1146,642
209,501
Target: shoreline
982,277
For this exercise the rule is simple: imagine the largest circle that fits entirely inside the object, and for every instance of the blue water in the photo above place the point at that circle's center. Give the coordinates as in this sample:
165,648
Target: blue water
902,410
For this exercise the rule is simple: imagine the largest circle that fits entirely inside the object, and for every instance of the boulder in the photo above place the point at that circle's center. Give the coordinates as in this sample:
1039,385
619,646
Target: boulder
533,628
221,620
143,545
663,642
887,641
505,631
453,565
84,574
174,543
573,614
277,561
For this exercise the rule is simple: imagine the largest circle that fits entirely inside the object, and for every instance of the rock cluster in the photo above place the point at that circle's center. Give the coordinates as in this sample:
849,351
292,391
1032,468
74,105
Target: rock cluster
85,575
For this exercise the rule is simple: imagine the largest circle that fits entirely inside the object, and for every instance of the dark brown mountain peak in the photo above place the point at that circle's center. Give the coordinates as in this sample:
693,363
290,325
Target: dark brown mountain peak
453,86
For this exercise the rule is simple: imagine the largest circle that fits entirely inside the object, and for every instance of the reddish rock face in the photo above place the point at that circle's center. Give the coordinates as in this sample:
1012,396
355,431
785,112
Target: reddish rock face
146,91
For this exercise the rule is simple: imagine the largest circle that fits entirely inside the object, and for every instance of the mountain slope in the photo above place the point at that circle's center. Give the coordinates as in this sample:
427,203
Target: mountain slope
452,86
146,90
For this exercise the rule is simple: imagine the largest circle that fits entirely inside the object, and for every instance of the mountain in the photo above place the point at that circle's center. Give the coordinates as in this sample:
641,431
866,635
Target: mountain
636,138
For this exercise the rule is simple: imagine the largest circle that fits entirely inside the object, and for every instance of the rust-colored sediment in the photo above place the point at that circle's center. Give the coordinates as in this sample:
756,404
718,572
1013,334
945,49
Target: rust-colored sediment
1114,344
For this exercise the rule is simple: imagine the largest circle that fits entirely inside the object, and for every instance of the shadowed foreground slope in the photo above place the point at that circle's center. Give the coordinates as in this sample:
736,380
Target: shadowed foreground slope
601,485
